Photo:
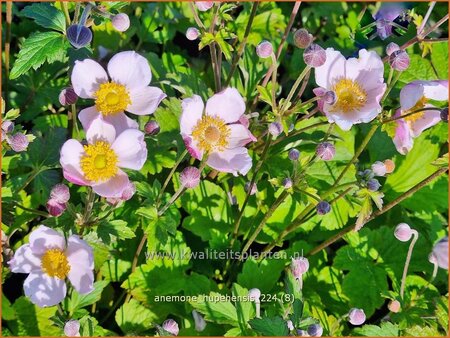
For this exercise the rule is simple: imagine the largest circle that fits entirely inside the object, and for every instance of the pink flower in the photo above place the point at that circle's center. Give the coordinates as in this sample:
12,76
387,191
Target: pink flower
415,96
123,88
98,164
49,260
217,133
204,5
357,83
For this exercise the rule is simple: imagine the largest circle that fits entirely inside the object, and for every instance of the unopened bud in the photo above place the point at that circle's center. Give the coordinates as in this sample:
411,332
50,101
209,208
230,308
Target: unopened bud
253,190
60,193
79,36
399,60
299,266
55,208
171,326
290,325
326,151
152,128
314,56
379,168
190,177
121,22
394,306
275,129
373,184
200,323
391,48
444,114
403,232
192,33
390,166
302,38
323,208
67,97
356,316
204,5
329,97
287,183
18,142
254,294
315,330
264,49
8,126
294,154
72,328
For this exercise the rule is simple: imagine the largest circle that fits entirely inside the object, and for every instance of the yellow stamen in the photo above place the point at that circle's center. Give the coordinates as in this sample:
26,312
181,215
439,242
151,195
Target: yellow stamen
211,133
350,96
54,263
416,116
99,163
111,98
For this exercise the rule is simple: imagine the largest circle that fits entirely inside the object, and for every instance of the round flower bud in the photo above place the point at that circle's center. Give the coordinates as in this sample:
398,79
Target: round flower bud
264,49
152,128
67,97
121,22
190,177
299,266
60,193
379,168
200,323
390,166
287,183
204,5
72,328
171,326
302,333
79,36
275,129
323,208
302,38
192,33
18,142
391,48
326,151
128,192
373,184
394,306
314,56
399,60
444,114
315,330
55,208
356,316
403,232
439,255
329,97
8,126
254,294
294,154
290,325
253,190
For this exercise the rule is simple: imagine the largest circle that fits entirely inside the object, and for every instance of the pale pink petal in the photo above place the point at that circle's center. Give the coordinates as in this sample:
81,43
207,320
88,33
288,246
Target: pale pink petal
332,69
403,140
239,136
436,90
87,75
113,187
145,100
130,149
87,115
44,290
192,147
81,261
410,94
121,122
45,238
232,161
367,70
228,105
24,261
130,69
99,130
428,119
192,111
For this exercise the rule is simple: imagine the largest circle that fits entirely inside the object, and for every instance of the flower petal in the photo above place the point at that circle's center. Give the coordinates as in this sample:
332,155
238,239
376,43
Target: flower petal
130,149
228,105
367,70
81,261
239,136
44,290
71,153
192,147
192,111
427,120
403,139
24,261
144,101
44,238
100,130
121,122
332,69
113,187
231,161
87,115
87,75
436,90
410,94
130,69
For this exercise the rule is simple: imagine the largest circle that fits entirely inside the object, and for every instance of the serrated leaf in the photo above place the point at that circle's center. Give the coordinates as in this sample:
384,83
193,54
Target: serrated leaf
115,228
387,329
79,301
268,326
133,318
46,15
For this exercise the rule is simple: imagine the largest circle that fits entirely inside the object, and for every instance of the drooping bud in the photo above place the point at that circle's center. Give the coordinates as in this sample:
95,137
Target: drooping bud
329,97
323,208
394,306
379,168
67,97
302,38
128,192
171,326
399,60
55,208
72,328
79,36
444,114
314,56
253,190
294,154
290,325
8,126
204,5
121,22
192,33
315,330
287,183
275,129
190,177
200,322
18,142
254,294
60,193
391,48
439,255
264,49
403,232
390,166
299,266
356,316
326,151
373,184
152,128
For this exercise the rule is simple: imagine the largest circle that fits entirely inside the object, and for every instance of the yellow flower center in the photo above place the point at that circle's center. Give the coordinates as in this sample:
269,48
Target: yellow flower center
416,116
54,263
111,98
211,133
350,96
99,163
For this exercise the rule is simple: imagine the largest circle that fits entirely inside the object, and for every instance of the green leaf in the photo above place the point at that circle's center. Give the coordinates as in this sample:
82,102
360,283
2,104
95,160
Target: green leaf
221,311
116,228
46,15
263,275
268,326
38,48
386,329
78,301
134,318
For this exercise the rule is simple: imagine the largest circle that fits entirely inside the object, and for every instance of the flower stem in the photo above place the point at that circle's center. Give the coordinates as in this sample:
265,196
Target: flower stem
65,11
33,211
169,177
177,194
409,114
294,88
391,85
408,259
196,17
427,16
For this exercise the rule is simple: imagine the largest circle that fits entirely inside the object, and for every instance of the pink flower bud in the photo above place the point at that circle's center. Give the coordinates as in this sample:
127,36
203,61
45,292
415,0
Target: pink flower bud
200,323
60,193
204,5
18,142
190,177
275,129
394,306
315,330
72,328
55,208
253,190
326,151
79,36
390,166
254,294
67,97
439,255
329,97
299,266
264,49
356,316
391,48
314,56
128,192
403,232
378,168
302,38
399,60
287,183
152,128
171,326
121,22
290,325
8,126
192,33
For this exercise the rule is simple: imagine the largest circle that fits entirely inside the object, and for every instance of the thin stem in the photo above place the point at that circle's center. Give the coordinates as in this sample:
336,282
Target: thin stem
77,12
406,115
391,85
8,38
294,88
214,51
75,130
66,11
169,177
196,17
408,259
427,16
274,81
113,307
178,193
33,211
